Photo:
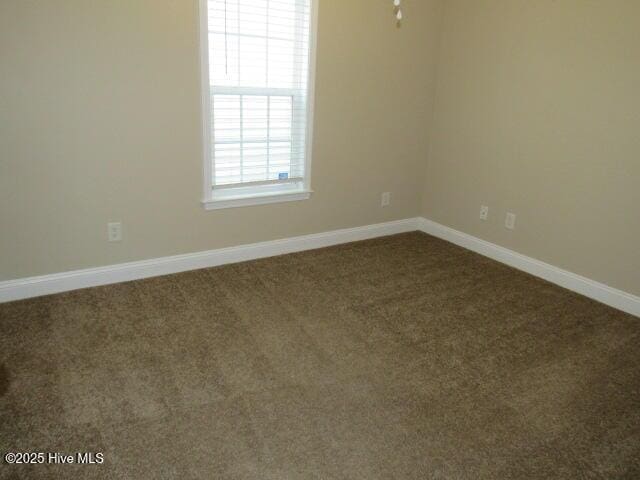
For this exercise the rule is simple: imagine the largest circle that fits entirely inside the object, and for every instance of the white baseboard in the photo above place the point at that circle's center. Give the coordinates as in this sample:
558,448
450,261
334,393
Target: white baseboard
92,277
619,299
62,282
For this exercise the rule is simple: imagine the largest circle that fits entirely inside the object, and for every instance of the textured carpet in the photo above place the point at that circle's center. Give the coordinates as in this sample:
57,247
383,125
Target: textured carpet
401,357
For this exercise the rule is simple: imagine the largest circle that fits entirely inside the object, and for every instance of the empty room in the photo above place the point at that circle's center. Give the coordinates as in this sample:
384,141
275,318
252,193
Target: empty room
320,239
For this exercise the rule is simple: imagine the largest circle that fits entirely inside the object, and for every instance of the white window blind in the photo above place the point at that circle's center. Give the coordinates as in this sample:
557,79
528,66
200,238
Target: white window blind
258,86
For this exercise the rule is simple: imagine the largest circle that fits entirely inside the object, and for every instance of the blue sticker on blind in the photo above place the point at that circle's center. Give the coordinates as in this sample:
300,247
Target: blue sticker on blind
283,176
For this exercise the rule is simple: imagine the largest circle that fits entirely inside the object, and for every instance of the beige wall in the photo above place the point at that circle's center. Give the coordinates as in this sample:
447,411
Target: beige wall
99,121
537,112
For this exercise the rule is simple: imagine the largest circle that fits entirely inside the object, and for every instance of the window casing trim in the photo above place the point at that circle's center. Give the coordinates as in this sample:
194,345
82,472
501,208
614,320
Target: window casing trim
243,195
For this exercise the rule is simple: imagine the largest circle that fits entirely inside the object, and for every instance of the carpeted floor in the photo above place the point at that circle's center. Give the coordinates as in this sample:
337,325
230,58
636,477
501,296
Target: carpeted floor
402,357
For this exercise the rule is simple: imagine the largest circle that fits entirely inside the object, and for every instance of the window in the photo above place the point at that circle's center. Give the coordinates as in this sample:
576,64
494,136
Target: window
257,95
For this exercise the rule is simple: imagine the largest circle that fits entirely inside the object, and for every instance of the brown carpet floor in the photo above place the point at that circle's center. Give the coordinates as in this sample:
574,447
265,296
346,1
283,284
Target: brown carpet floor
401,357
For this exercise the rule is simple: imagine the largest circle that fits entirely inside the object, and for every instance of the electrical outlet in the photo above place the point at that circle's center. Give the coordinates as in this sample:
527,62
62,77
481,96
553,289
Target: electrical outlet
114,232
386,199
510,221
484,212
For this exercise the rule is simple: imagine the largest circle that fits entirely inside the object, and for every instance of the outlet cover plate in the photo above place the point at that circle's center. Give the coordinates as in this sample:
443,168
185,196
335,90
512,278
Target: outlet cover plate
114,231
510,221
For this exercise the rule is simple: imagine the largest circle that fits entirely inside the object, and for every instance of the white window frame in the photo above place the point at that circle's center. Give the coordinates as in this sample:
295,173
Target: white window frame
244,195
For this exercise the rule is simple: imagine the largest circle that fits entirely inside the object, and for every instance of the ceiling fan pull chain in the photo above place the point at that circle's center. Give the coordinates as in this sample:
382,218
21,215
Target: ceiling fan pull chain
398,9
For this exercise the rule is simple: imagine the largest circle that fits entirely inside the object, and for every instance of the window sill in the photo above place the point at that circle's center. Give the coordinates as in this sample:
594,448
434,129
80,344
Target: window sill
242,197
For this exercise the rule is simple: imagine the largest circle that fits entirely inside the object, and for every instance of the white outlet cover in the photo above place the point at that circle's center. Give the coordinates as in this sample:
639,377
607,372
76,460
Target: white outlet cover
386,199
510,221
484,212
114,231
